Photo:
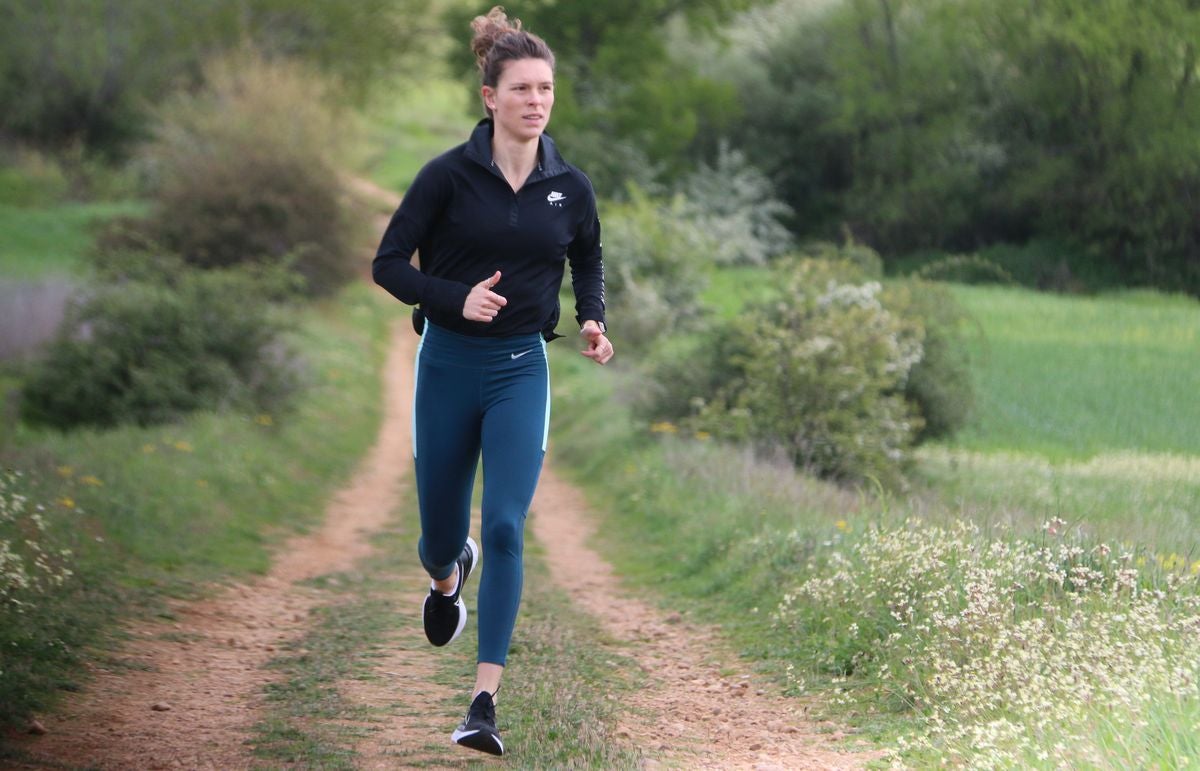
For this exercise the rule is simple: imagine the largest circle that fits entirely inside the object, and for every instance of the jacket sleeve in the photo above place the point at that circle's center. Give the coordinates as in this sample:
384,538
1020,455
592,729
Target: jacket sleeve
587,265
392,268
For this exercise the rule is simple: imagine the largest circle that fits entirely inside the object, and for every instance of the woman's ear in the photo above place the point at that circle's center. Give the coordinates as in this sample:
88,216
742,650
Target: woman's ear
489,97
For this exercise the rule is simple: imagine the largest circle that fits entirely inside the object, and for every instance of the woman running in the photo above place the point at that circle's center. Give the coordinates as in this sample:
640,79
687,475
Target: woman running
495,220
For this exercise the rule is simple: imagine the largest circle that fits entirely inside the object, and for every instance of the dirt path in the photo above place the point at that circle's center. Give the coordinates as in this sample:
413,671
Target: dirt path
700,709
187,696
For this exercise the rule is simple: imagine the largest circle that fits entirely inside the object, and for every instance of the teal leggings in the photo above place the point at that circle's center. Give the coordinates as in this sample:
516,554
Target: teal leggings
473,395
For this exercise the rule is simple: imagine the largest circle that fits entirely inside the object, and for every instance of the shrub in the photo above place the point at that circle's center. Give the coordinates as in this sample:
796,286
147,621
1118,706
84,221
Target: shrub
146,351
245,171
939,385
654,285
735,206
818,371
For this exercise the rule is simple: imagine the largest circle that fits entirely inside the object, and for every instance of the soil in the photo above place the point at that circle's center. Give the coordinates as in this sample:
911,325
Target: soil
698,707
188,695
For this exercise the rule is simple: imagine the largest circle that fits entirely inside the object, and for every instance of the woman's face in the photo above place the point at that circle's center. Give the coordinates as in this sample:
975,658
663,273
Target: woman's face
522,99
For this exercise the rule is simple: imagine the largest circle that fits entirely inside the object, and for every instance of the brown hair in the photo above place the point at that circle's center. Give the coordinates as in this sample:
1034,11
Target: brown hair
499,40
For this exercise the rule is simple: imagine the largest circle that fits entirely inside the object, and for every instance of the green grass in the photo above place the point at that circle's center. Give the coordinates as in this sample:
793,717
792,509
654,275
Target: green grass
52,240
422,120
1086,410
1070,377
164,510
559,699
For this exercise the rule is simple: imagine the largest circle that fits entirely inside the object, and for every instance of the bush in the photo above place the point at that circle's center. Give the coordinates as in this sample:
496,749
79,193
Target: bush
245,171
735,206
654,285
146,351
939,385
817,371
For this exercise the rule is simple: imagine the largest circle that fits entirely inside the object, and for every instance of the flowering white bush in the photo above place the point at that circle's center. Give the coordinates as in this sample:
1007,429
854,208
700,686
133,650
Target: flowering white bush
1016,652
26,565
735,205
819,371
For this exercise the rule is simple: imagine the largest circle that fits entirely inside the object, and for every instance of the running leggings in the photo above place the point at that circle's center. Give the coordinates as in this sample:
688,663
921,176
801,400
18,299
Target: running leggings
478,394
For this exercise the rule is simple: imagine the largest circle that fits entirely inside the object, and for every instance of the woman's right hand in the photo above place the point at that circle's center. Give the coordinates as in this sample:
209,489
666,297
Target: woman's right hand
482,303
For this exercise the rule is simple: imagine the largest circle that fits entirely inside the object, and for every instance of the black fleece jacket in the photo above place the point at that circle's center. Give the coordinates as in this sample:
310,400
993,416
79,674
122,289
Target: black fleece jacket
468,223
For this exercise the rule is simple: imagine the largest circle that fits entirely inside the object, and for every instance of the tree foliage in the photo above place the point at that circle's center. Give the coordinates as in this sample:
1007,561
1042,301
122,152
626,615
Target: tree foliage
85,70
955,123
625,107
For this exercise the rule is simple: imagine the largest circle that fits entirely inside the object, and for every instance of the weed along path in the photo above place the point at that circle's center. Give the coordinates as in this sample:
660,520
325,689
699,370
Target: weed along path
188,694
697,707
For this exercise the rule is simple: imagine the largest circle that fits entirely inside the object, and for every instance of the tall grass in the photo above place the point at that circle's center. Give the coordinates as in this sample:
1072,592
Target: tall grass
168,509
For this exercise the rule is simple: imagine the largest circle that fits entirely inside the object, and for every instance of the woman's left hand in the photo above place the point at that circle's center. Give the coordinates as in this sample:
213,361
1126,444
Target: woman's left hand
599,349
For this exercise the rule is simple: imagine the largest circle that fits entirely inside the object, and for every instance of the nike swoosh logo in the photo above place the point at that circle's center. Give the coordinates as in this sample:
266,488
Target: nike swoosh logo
522,353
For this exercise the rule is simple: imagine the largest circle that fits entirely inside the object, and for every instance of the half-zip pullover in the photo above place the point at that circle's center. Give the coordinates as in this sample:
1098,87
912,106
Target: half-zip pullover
467,223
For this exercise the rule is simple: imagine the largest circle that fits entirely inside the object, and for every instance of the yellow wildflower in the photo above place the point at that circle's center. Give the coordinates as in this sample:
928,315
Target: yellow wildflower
91,481
703,436
66,502
664,427
149,448
65,471
842,525
264,420
182,446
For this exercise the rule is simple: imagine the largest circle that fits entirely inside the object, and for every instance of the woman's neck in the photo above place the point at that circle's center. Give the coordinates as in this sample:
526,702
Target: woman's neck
516,158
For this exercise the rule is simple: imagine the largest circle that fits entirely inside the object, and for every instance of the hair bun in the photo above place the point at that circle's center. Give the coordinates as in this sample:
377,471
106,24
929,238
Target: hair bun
490,28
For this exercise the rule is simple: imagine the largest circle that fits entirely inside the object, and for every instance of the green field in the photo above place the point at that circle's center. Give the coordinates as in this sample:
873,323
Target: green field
1074,377
1086,411
36,242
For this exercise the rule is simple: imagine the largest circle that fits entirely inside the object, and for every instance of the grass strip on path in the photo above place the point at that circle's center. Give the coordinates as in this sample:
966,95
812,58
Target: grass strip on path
364,688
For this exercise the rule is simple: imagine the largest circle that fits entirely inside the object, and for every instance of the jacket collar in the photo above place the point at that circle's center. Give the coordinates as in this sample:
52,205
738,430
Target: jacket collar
479,149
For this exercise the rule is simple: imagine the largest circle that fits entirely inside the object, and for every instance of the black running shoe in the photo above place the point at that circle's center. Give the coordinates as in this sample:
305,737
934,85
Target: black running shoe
445,614
478,728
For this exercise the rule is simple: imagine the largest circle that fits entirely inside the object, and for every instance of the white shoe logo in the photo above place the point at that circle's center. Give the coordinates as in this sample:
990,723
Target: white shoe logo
522,353
555,198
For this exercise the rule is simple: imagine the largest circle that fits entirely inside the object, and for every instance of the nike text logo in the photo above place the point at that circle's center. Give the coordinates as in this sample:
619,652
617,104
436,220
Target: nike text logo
522,353
555,198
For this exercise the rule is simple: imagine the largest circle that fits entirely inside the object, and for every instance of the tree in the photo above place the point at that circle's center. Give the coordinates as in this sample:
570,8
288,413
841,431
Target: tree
624,104
86,70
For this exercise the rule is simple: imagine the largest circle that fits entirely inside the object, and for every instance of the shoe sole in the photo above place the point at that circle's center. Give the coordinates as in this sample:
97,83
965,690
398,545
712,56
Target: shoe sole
478,740
476,559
